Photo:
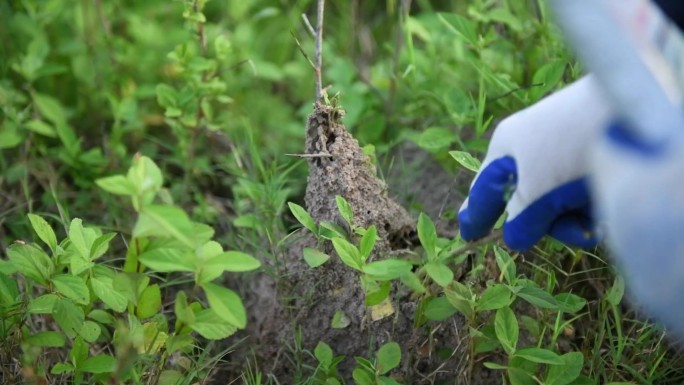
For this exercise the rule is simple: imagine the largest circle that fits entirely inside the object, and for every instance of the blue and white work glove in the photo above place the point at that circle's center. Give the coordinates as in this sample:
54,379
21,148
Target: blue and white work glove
538,157
638,192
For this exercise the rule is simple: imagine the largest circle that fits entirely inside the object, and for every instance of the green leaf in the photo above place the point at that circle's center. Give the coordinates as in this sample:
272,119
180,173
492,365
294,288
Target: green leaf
388,357
348,253
104,290
616,292
388,269
461,298
40,127
439,309
567,372
166,259
436,138
367,242
72,286
340,320
164,221
494,297
117,185
362,377
323,354
465,29
101,316
303,217
61,368
90,331
345,209
506,264
466,160
234,261
101,245
78,238
44,231
412,281
538,297
427,235
102,363
440,273
211,326
46,339
166,95
69,316
43,304
570,303
149,303
131,285
540,356
519,376
50,108
314,258
9,292
376,292
170,377
31,261
506,328
226,303
331,231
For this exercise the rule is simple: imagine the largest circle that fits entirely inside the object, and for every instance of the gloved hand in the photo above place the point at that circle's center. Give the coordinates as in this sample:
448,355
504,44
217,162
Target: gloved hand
639,196
538,157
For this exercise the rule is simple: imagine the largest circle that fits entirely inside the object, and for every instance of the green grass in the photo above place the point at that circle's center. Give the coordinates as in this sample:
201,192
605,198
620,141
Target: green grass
216,99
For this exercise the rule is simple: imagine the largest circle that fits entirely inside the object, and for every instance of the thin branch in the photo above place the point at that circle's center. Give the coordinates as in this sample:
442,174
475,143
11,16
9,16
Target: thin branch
494,236
318,155
301,49
308,25
319,49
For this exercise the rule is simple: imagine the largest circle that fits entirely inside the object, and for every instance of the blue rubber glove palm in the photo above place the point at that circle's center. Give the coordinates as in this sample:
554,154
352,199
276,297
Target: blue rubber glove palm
539,157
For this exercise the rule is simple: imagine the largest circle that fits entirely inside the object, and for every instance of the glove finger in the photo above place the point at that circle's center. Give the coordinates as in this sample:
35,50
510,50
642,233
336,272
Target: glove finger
575,228
487,198
536,220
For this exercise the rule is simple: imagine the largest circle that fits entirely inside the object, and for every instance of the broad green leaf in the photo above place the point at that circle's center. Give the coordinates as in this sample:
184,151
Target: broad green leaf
101,245
154,340
570,303
440,273
90,331
466,160
170,377
538,297
367,242
116,184
101,316
506,328
50,108
519,376
43,304
413,282
494,297
104,290
461,298
340,320
40,127
149,303
388,357
427,235
540,356
616,292
226,303
506,264
376,292
167,96
436,138
61,368
211,326
146,178
46,339
314,257
439,309
72,286
331,231
44,231
345,209
202,233
567,372
9,291
69,316
181,341
362,377
234,261
348,253
465,29
168,260
323,353
102,363
78,238
164,221
208,250
131,285
387,269
31,261
303,217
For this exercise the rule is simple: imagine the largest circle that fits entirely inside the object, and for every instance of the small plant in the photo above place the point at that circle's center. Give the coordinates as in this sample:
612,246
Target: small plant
120,313
375,372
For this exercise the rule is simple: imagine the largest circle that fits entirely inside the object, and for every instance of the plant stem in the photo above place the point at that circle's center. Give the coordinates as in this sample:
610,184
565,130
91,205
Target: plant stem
319,49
